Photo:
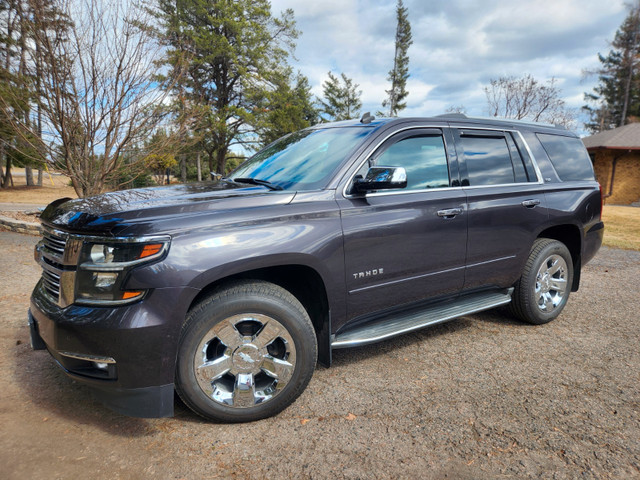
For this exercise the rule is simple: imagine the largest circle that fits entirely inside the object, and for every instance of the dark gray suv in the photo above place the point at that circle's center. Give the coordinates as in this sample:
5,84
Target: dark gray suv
336,236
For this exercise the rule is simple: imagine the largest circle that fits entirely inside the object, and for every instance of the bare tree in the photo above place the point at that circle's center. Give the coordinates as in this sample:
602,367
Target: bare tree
526,98
456,109
100,95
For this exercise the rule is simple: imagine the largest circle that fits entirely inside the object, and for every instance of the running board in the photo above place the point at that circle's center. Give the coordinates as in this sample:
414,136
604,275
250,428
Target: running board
415,319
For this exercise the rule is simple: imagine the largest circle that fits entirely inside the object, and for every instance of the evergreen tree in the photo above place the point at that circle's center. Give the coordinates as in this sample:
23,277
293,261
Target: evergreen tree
19,89
288,107
341,99
233,50
400,73
616,98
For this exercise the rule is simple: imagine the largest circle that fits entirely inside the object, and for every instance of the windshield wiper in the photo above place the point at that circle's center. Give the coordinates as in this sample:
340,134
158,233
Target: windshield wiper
257,181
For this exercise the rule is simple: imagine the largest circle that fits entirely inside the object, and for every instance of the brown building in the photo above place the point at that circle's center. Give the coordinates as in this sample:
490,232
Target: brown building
616,160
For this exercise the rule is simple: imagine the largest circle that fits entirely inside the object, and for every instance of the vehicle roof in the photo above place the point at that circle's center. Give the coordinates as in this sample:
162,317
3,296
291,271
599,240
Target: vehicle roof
456,119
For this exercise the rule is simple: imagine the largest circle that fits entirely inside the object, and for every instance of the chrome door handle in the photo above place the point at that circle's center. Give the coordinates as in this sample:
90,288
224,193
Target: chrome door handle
531,203
449,212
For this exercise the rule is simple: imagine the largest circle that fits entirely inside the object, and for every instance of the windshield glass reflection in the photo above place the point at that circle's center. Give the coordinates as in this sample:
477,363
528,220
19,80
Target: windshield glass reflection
303,160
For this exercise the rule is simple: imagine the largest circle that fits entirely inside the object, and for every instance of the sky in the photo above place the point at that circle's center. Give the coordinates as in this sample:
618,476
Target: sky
458,46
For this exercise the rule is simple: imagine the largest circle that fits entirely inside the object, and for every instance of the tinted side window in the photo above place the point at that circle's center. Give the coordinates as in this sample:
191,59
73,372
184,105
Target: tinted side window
423,157
526,159
516,160
568,156
487,159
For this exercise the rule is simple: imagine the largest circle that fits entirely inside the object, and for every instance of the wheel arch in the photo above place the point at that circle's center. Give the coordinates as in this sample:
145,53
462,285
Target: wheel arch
303,282
571,237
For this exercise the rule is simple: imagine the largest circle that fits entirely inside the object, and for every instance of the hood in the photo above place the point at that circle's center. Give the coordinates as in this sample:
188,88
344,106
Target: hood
113,213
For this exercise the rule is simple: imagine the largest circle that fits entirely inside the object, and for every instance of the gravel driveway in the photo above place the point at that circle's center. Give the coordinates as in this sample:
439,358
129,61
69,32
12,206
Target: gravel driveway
480,397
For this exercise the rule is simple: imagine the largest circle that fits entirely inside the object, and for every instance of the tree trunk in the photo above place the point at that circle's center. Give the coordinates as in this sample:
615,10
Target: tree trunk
1,162
630,57
199,167
221,160
28,175
77,188
40,175
210,154
8,178
183,168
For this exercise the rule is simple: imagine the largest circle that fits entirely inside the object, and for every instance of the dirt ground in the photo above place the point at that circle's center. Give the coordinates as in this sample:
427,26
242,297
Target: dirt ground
482,397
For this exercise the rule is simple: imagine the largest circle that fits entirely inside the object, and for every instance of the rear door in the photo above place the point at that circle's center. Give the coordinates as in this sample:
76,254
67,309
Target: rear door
409,244
506,204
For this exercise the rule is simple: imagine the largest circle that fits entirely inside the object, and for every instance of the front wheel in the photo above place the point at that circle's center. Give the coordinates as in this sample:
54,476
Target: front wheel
246,353
543,289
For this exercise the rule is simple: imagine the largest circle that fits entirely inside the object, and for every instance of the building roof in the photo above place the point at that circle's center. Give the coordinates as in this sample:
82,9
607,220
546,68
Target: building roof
626,137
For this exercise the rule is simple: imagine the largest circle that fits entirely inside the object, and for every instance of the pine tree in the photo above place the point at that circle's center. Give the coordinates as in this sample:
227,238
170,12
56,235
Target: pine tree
233,51
400,73
341,99
616,98
18,90
288,107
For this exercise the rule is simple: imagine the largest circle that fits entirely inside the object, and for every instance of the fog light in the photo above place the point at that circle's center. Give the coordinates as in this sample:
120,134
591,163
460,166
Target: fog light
101,366
104,279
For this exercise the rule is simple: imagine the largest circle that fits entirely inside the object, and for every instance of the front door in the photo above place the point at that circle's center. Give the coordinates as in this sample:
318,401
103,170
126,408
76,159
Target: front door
405,245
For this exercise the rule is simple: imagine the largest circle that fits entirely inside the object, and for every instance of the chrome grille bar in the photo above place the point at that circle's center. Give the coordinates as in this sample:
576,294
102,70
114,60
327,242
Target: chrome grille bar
54,241
57,261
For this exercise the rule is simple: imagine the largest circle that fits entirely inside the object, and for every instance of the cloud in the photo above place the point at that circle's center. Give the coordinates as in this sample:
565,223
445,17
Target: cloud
459,45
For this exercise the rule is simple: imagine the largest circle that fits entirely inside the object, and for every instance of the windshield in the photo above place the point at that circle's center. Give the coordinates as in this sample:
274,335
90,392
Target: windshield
303,160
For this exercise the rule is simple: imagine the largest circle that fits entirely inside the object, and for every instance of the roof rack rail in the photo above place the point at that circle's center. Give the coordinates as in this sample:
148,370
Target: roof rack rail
452,115
461,116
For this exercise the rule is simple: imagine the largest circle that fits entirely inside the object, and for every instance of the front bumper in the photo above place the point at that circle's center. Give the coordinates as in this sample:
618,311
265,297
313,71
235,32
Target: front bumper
126,354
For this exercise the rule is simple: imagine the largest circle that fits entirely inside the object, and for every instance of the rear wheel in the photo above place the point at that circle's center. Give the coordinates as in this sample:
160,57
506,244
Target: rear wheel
246,353
543,289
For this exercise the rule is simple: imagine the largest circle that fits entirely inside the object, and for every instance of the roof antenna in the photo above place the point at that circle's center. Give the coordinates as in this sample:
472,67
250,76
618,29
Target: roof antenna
367,118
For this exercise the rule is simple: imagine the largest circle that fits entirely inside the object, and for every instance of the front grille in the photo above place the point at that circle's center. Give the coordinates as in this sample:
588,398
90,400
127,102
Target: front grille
55,242
51,283
58,259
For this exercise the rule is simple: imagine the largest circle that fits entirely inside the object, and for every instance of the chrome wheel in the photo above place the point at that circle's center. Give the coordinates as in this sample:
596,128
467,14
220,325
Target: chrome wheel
551,283
544,287
245,360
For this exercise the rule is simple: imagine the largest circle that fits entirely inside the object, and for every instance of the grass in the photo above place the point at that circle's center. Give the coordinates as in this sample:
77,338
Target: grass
621,227
53,187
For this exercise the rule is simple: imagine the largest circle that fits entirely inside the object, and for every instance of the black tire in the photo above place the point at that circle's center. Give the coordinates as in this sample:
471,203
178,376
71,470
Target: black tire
265,374
538,296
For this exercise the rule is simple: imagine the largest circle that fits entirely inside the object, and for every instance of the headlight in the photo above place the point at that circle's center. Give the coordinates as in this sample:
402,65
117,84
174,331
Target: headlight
107,256
103,265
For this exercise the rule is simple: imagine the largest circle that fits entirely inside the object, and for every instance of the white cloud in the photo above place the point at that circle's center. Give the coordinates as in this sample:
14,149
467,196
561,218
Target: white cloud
459,45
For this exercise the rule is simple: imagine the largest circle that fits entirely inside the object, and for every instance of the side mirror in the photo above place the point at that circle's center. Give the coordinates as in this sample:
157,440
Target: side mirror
381,178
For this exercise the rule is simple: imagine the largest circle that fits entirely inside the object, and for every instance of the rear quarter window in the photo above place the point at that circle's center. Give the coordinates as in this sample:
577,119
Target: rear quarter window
568,156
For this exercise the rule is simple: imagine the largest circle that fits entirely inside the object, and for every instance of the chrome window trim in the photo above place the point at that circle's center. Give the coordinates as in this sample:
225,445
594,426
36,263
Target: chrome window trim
540,180
398,192
404,192
518,184
533,159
